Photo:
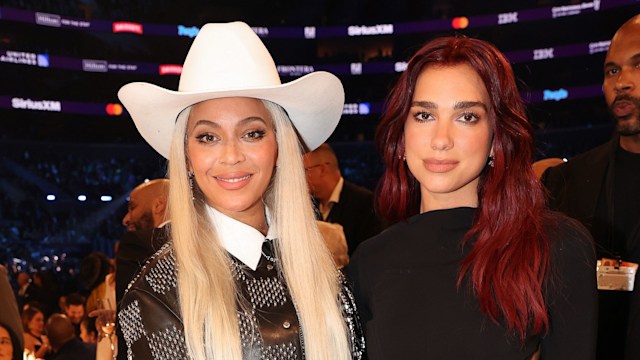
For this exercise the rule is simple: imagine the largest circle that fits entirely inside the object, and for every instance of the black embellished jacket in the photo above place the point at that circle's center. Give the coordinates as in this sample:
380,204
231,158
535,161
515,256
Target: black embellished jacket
152,325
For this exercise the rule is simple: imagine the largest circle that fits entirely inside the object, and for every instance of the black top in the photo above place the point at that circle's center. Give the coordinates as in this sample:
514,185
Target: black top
411,308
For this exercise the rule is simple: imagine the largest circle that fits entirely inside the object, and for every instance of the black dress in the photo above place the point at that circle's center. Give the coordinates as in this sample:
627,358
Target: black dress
410,307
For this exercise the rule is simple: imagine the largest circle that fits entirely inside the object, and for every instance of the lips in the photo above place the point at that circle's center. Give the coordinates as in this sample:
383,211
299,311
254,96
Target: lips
622,108
233,181
439,166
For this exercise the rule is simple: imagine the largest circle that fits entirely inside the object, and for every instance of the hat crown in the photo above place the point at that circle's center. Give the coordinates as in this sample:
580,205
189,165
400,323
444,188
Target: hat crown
227,57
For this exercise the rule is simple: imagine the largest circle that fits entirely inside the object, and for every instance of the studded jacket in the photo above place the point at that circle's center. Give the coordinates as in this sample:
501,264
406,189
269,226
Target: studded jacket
152,325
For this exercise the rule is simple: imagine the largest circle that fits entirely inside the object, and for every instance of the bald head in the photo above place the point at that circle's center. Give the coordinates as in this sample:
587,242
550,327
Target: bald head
147,206
59,330
621,85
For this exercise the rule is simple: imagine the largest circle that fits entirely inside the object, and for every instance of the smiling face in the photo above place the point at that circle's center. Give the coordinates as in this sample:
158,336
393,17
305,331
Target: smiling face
448,136
36,325
232,151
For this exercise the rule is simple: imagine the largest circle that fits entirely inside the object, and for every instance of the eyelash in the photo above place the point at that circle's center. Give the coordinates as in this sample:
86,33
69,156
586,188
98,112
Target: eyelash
252,135
255,134
420,114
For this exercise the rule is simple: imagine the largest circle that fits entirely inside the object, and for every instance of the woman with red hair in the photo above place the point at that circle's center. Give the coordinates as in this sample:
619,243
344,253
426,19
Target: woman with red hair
475,266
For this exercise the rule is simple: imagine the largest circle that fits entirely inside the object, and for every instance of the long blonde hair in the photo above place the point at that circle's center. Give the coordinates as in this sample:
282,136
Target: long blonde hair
206,289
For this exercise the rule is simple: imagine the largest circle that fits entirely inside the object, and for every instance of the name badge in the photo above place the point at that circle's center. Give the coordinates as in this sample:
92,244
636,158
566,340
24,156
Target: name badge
615,274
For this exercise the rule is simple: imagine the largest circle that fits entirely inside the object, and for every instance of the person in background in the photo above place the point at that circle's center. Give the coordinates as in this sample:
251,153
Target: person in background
244,245
28,291
64,342
88,331
74,309
145,221
35,341
10,348
11,334
475,265
94,270
340,201
600,189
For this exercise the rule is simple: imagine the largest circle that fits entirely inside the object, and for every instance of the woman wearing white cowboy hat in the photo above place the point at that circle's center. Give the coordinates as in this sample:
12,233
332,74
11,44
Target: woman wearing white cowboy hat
246,274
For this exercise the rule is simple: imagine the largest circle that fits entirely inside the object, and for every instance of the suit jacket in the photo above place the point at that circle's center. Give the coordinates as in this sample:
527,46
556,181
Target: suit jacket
575,188
355,213
74,349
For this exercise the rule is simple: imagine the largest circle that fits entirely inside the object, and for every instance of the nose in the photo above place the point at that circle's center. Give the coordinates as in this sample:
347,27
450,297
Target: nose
624,82
126,219
442,136
231,153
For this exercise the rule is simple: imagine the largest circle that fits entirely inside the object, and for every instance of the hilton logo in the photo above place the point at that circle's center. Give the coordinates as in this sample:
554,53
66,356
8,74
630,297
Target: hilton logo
95,65
48,19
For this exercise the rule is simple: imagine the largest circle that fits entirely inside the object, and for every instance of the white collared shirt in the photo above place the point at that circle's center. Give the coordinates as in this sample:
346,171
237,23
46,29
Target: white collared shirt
239,239
333,199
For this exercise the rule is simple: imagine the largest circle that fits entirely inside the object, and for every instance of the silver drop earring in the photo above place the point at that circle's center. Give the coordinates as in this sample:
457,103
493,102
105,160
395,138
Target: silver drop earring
193,193
490,163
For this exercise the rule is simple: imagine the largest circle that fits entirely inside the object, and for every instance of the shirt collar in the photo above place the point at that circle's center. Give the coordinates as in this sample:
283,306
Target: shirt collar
335,195
239,239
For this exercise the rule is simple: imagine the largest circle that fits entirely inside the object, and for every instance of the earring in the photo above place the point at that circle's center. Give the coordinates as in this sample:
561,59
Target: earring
490,163
191,176
404,156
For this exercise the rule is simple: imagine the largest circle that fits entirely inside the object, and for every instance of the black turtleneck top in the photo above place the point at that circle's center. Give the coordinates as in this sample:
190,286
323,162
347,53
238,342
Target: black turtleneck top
411,308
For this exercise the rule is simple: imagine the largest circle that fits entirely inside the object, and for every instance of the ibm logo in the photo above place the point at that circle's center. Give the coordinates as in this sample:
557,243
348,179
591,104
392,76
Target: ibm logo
507,18
541,54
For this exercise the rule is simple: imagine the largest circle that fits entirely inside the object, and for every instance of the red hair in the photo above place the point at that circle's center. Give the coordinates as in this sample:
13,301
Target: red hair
510,253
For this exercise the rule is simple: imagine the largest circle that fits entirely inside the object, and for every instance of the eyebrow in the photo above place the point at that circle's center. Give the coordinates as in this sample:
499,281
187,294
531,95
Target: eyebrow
241,122
635,57
457,106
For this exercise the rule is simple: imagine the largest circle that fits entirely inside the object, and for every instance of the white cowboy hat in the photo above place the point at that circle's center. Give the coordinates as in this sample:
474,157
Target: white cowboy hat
230,60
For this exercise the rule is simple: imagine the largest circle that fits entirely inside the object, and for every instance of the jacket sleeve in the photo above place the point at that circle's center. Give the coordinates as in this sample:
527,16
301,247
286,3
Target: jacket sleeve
149,315
350,313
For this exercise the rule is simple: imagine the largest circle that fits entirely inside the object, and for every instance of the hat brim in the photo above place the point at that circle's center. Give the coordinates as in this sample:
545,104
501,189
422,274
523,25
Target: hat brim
313,102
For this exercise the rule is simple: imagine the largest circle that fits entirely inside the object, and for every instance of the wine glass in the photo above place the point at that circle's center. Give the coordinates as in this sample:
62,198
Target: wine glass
107,322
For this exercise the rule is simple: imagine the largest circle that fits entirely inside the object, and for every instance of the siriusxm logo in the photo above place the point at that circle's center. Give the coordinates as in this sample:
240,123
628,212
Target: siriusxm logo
95,65
556,95
380,29
42,105
188,31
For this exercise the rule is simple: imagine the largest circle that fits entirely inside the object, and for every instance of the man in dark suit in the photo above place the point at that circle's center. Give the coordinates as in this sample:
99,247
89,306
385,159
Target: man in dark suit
600,189
340,201
147,230
65,344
